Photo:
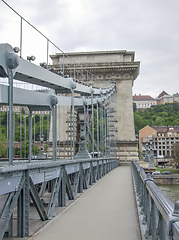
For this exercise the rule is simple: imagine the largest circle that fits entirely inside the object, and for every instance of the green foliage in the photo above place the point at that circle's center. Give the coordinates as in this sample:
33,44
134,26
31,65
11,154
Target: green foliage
22,131
159,115
25,150
159,121
172,170
175,152
134,106
139,154
2,145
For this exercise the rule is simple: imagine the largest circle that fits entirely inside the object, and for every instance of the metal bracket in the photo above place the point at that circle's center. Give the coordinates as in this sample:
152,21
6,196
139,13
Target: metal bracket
8,60
149,178
36,199
54,194
172,219
68,186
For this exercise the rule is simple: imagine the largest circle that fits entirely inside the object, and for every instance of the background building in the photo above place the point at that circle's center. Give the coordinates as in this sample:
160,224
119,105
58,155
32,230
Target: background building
143,101
163,139
146,101
164,97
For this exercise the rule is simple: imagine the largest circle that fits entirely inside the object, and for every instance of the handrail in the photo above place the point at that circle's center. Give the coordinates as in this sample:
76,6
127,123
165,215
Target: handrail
160,215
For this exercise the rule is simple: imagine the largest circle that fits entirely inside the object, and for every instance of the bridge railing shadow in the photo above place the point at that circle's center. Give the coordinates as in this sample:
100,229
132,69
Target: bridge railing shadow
159,217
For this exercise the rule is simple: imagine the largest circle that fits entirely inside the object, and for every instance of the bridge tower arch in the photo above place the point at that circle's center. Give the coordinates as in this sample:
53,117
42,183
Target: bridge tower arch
116,66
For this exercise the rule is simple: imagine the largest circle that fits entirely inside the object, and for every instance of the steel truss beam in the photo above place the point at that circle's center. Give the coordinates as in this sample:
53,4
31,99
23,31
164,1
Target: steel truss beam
23,97
54,194
37,201
9,205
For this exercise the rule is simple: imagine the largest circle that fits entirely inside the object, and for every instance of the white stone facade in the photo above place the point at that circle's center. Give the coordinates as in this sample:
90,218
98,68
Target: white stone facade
100,68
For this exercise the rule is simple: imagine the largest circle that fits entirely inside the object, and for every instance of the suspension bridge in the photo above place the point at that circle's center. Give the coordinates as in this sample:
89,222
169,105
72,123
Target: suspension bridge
46,184
37,187
84,194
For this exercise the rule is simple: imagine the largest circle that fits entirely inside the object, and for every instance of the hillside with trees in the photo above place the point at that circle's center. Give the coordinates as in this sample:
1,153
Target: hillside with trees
159,115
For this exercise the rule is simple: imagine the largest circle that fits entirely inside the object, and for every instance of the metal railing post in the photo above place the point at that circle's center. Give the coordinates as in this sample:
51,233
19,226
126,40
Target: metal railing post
92,91
30,135
97,127
10,93
71,139
73,86
54,119
105,127
58,111
84,106
63,65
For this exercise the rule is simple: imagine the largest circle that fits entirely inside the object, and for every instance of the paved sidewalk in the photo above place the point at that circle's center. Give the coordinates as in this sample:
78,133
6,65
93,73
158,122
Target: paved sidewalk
106,211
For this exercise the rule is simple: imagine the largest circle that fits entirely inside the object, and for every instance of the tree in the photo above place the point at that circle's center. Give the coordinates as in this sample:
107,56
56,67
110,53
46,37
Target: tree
134,106
163,114
3,149
176,122
158,115
175,152
159,121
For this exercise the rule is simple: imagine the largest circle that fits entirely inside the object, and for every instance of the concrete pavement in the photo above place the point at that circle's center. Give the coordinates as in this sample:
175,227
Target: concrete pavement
107,211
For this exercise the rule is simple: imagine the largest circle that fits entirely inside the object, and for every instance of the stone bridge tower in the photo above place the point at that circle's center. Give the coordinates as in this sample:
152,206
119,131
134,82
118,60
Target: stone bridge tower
108,66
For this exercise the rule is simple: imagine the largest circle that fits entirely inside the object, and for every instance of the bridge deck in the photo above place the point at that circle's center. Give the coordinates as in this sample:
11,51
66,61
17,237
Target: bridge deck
106,211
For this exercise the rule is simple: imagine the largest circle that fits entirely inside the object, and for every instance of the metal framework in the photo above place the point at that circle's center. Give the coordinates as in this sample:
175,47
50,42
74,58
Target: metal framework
31,182
26,183
159,217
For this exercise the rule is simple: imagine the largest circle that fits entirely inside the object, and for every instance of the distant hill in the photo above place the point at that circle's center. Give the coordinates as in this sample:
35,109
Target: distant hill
159,115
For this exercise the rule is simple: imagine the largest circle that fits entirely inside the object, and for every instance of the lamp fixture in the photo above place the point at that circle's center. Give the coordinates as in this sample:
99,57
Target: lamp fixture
31,58
16,49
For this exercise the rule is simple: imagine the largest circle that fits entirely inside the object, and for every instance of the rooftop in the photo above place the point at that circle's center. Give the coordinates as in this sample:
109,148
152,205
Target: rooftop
143,98
164,129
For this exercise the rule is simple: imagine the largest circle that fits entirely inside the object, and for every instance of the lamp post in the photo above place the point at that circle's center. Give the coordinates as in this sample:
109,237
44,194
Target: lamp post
146,152
82,150
151,154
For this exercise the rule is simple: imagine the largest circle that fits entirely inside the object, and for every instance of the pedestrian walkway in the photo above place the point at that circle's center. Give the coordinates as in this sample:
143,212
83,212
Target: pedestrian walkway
107,211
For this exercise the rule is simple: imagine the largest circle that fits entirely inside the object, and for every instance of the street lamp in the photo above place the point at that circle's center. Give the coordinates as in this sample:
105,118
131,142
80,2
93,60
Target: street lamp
146,152
151,154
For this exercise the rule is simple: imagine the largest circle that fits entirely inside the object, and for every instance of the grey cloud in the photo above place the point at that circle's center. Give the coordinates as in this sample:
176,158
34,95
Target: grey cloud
150,28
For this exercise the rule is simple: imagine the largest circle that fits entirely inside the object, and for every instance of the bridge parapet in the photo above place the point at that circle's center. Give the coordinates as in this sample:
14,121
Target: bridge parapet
159,217
28,184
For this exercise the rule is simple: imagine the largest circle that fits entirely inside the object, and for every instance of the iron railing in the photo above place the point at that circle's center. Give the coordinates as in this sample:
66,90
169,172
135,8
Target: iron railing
44,185
159,217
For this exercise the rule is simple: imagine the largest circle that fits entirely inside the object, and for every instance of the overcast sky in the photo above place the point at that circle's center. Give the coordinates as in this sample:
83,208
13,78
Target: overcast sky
148,27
